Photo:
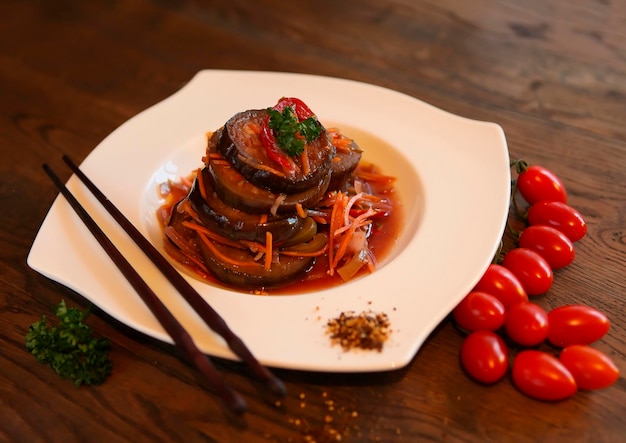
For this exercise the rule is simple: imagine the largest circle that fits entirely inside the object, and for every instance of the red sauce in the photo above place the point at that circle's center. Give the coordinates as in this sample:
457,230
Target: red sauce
381,242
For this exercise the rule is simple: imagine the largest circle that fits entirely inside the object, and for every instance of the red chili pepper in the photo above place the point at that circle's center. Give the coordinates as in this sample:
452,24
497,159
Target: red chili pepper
301,109
274,153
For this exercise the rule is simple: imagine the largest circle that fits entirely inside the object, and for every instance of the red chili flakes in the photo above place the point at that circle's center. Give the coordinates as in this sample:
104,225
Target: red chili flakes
367,330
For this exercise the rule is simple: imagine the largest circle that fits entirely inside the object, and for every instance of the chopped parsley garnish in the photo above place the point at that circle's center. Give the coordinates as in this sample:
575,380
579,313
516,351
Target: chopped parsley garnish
69,348
290,133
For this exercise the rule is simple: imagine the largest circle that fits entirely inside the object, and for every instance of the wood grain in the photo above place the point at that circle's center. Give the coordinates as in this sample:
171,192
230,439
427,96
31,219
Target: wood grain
552,74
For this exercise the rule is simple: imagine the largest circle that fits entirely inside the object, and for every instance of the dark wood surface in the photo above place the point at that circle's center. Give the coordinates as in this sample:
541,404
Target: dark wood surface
552,74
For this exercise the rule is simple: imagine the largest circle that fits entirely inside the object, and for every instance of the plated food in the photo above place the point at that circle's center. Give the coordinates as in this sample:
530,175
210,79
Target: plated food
279,199
444,165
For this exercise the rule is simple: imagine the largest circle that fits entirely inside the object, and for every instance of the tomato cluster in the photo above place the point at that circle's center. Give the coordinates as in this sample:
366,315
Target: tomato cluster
499,316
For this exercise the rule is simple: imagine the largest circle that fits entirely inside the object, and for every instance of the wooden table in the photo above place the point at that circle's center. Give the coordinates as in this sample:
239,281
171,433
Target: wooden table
552,74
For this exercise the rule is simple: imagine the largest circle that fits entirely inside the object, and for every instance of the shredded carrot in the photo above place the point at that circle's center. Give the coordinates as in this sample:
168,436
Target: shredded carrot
346,239
187,259
374,177
212,235
247,161
300,210
263,219
319,220
268,250
200,178
345,228
304,158
351,202
304,254
209,244
335,219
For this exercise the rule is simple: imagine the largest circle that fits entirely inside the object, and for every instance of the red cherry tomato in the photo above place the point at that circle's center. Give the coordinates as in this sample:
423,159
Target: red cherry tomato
527,324
484,356
592,369
542,376
550,243
560,216
502,284
537,183
479,311
532,270
576,325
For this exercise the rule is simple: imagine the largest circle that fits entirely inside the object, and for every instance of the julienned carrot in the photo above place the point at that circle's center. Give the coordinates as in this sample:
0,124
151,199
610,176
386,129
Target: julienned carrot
364,223
200,183
263,219
374,177
351,202
179,241
189,260
300,210
304,158
212,235
269,169
268,250
319,219
304,254
358,222
335,217
209,244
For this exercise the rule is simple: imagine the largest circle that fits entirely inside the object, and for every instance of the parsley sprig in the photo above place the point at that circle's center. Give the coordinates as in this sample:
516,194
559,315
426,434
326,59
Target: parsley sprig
290,133
69,348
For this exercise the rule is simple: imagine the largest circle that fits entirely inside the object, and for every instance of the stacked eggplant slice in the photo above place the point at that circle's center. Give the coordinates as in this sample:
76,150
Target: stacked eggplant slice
261,209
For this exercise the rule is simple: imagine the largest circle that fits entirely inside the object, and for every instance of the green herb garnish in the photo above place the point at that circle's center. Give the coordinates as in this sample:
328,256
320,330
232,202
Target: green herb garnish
69,348
290,133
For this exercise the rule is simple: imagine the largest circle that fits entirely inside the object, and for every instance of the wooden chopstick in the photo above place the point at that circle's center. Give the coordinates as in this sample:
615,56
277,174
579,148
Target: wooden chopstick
204,310
179,335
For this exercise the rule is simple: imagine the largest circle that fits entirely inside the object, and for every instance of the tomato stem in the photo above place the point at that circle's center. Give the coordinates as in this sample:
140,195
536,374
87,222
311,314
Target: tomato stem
520,165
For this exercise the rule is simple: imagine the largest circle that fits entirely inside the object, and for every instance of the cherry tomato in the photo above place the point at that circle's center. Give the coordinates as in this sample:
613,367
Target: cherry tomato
532,270
576,325
592,369
502,284
484,356
542,376
560,216
537,183
527,324
550,243
479,311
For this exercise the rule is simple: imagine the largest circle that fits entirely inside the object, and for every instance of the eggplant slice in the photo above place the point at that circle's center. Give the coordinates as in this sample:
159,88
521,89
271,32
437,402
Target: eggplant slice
253,274
235,190
235,224
343,166
243,148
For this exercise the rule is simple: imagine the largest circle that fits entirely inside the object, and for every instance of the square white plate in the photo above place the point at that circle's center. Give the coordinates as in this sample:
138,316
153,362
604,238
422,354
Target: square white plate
453,178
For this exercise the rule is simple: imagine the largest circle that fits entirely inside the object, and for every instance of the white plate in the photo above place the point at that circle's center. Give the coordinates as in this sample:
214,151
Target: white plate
452,176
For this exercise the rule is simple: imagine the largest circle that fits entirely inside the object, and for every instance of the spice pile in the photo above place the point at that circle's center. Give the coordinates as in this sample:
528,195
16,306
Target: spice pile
367,330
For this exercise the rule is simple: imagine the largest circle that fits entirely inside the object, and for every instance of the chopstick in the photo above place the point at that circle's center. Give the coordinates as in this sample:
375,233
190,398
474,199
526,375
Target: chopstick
182,339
